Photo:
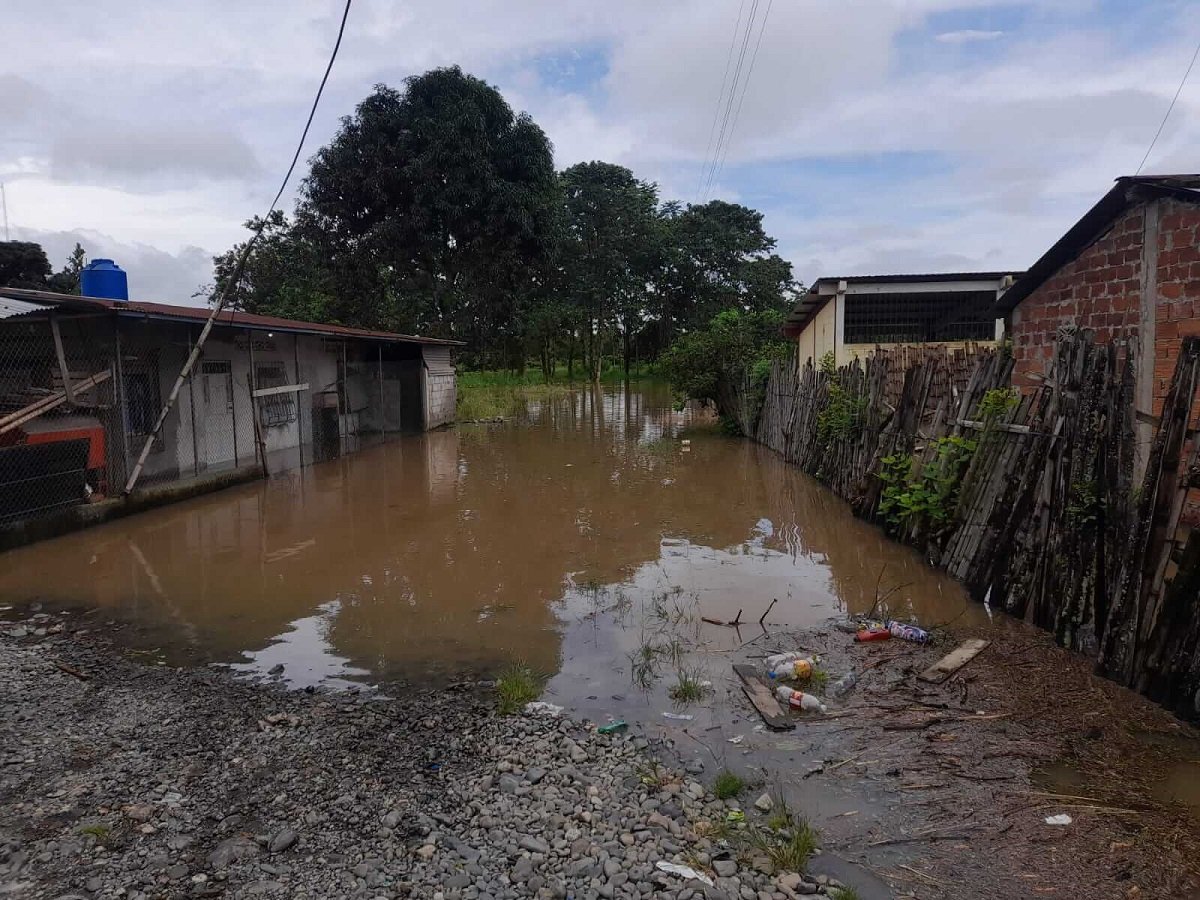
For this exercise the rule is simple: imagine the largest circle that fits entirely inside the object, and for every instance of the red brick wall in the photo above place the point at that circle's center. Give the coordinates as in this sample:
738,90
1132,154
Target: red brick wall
1175,315
1099,289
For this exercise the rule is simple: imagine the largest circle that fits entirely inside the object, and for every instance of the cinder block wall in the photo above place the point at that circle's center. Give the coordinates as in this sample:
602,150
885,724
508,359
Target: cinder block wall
440,397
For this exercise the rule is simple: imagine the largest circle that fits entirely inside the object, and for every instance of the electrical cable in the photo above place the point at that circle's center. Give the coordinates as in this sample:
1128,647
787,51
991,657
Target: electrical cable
745,84
737,75
236,272
1163,123
720,97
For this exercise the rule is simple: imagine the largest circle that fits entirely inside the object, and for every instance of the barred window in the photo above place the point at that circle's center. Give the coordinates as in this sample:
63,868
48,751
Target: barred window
274,409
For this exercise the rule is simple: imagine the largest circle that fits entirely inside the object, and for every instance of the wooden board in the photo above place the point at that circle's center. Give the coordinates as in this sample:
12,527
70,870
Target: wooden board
763,700
954,660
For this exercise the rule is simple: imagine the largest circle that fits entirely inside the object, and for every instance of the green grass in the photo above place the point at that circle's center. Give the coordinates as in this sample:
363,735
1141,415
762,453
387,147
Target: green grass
780,819
688,688
790,850
516,686
728,785
843,893
818,680
98,830
481,399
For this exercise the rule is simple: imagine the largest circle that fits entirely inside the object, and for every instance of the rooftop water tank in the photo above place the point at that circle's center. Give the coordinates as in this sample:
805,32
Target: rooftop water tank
104,278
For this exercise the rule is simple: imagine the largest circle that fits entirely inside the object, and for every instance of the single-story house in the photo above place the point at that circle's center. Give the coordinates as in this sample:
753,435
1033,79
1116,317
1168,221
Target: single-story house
1129,270
851,317
83,379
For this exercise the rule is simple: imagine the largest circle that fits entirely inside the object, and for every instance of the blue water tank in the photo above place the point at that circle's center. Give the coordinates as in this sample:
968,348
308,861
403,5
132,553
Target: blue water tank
104,278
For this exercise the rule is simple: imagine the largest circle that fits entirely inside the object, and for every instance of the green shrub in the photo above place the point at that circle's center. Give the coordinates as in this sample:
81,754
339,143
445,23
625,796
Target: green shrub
926,498
727,785
517,685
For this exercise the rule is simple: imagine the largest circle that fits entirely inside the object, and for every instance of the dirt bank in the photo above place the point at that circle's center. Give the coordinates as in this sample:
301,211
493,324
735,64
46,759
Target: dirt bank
943,790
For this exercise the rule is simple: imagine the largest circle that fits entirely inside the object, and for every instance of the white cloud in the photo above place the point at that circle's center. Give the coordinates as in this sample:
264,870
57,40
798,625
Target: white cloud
967,36
169,127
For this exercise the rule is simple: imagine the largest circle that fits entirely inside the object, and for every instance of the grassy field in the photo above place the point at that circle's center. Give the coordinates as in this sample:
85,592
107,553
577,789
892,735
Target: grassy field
492,394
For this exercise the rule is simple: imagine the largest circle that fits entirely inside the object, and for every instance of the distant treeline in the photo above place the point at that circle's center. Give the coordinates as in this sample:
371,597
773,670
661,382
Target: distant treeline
437,210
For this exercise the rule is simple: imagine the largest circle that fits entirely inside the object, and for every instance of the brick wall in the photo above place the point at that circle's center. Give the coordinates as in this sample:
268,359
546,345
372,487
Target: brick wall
1099,289
441,396
1175,314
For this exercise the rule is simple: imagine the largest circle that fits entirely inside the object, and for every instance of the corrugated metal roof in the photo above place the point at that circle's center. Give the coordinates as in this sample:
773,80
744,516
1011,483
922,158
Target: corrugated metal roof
10,307
1128,192
200,314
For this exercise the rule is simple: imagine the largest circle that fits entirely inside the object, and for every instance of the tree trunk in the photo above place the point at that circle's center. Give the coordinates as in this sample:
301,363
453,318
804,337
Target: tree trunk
571,356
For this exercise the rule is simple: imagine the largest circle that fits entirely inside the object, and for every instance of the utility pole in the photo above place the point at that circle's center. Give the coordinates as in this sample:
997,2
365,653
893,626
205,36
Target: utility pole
4,203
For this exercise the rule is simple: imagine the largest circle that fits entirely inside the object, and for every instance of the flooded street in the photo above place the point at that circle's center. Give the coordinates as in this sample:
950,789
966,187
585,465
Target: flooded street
455,552
602,541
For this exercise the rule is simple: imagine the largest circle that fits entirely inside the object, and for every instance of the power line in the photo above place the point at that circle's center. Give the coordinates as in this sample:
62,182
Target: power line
745,84
720,96
1163,123
737,75
236,272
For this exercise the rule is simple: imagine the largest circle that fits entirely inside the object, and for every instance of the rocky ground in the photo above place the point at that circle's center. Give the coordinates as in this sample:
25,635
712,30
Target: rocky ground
124,780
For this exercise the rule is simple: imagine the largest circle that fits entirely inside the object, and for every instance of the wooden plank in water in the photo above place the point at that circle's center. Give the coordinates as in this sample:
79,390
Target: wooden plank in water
954,660
763,700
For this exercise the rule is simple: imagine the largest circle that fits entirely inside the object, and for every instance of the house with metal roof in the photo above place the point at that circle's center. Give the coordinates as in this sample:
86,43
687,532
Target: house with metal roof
1129,269
853,316
83,380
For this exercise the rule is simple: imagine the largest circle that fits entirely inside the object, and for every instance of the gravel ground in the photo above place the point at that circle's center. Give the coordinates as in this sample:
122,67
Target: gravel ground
146,782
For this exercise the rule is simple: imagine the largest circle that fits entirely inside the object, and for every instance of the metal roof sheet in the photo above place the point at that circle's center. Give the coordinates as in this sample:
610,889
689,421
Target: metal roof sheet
200,314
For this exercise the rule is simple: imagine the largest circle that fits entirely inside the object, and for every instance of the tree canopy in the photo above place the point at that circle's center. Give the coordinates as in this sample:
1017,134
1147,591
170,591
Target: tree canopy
437,209
24,264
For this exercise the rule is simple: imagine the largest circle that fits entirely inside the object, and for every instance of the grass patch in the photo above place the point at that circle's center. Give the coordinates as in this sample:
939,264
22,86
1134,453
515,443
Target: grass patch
516,686
818,680
689,688
728,785
98,830
844,893
781,819
789,850
480,398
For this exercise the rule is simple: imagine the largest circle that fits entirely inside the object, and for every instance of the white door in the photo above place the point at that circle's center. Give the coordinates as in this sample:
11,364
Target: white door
217,435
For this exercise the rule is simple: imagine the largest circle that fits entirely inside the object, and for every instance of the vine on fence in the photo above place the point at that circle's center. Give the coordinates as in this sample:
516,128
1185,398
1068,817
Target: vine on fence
924,500
843,412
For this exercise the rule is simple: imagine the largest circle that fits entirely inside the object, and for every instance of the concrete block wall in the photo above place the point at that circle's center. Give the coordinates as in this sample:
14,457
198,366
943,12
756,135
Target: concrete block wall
441,395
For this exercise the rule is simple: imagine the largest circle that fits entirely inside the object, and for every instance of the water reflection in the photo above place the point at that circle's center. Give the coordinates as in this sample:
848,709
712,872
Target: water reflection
458,550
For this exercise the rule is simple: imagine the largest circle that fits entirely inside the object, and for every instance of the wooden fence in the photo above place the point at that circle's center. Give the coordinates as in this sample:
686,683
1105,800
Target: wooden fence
1032,501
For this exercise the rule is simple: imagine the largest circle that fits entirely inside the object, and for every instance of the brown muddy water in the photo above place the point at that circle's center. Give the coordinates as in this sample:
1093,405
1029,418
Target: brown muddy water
605,522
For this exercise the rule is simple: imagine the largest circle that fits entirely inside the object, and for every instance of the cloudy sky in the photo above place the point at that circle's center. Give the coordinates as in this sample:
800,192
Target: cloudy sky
876,135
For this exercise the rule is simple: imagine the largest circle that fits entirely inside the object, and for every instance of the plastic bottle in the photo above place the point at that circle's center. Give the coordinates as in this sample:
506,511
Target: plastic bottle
779,658
799,699
908,632
872,634
796,669
843,685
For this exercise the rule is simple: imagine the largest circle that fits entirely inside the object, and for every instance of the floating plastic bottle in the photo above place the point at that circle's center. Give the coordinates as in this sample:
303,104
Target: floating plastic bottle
908,632
872,634
780,658
793,670
799,699
843,685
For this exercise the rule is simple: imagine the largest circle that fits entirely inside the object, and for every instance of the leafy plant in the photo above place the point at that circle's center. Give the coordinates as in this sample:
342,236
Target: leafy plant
1083,506
517,685
843,893
925,498
727,785
843,412
997,403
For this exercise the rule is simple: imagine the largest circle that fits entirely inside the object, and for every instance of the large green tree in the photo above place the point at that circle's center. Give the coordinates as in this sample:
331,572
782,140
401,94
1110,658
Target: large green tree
23,264
439,202
610,252
718,257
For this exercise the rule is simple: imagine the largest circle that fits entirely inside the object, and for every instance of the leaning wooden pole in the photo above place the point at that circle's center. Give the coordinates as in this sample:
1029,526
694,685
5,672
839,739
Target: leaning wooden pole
190,363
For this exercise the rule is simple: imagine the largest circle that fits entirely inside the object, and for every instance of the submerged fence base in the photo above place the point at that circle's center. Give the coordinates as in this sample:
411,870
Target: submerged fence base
1034,502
